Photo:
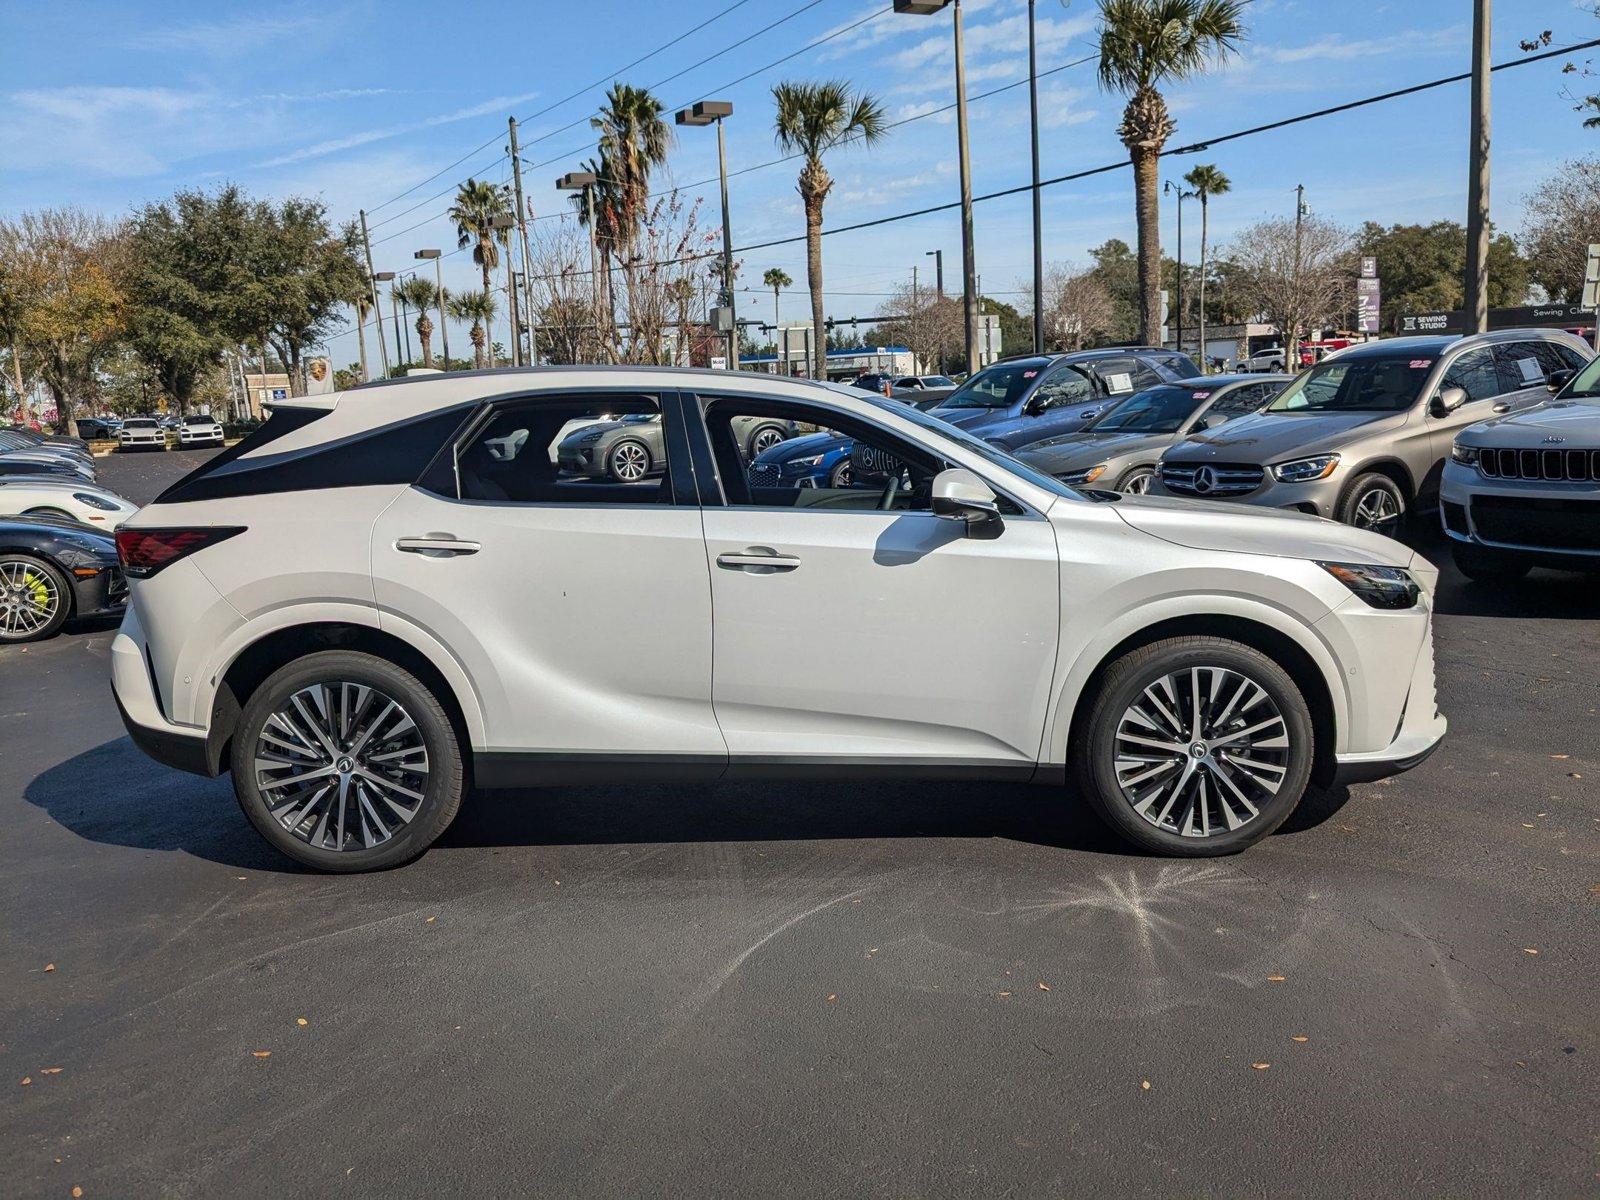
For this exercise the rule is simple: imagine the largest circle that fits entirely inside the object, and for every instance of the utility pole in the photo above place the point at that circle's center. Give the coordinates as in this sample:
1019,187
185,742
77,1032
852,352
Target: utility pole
1291,345
1477,277
916,304
1038,223
969,255
372,286
527,257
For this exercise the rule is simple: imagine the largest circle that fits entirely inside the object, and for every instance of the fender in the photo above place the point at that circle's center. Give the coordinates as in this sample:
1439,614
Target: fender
1058,725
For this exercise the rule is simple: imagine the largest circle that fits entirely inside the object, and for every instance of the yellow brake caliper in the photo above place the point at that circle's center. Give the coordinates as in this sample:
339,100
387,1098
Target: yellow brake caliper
38,590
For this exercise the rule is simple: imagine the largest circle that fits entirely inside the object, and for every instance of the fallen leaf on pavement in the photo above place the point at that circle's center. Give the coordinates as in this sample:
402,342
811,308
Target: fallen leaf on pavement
76,1192
261,1053
1044,987
26,1080
1261,1066
300,1021
1299,1037
1275,978
1145,1084
1005,993
832,996
49,966
49,1070
1529,950
1561,756
430,920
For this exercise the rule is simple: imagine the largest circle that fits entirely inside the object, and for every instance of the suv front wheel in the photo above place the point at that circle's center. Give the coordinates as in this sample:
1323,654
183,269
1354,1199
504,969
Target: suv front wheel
1374,502
346,762
1195,746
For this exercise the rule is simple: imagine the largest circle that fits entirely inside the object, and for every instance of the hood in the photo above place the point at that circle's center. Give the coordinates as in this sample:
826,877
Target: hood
963,418
1079,450
1244,529
592,432
1575,422
1269,437
802,447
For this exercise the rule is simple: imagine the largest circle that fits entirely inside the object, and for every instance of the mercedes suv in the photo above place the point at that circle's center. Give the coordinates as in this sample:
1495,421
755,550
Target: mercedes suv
1363,437
386,596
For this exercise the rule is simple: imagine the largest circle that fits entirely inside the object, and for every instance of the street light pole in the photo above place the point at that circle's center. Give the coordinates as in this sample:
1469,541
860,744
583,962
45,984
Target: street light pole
527,255
584,181
1477,277
969,257
502,223
1178,320
444,328
712,112
1038,223
383,350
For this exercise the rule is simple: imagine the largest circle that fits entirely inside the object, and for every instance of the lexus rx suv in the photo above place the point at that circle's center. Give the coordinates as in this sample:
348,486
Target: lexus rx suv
361,612
1523,490
1362,437
1019,401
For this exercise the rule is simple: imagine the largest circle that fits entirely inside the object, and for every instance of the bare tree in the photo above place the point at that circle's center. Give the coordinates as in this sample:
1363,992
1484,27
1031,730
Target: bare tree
1297,277
1563,217
931,326
1079,309
566,295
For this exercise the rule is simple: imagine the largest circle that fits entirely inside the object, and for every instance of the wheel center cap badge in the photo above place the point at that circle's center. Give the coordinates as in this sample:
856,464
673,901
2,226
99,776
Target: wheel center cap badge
346,765
1198,750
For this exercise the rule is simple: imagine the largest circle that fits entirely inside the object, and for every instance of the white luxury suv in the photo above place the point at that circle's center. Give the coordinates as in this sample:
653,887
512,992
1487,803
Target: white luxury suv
388,595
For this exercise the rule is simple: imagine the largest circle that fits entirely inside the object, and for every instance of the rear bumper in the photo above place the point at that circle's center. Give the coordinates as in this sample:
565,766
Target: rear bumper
139,705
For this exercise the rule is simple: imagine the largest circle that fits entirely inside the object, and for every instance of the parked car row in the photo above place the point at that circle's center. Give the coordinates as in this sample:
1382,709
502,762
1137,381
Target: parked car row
195,431
55,477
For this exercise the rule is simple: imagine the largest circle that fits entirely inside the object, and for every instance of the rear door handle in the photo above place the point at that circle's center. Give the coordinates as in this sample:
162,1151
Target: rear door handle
758,560
437,545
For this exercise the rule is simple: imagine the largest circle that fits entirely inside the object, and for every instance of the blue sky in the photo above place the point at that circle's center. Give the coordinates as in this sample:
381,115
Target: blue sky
107,105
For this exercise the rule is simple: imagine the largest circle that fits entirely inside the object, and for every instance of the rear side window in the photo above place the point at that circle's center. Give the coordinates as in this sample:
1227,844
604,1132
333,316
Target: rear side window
389,454
1528,364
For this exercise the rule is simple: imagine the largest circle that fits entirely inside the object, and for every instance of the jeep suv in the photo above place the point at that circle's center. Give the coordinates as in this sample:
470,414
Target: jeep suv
1017,401
366,607
1363,437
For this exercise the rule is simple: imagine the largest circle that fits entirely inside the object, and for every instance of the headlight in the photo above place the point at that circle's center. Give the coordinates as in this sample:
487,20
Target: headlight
1467,456
1088,476
1380,587
814,461
590,437
94,501
1303,470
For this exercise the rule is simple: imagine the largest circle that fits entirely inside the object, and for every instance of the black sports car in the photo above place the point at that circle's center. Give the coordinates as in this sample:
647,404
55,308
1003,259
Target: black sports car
52,570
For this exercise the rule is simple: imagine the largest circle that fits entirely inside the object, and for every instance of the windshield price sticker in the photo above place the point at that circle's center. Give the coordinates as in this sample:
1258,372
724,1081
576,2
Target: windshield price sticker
1531,372
1421,364
1119,383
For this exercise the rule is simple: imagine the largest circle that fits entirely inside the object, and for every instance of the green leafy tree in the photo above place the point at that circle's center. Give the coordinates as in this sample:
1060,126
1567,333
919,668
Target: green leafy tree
477,204
476,309
419,293
1143,45
812,119
777,279
1422,267
1117,268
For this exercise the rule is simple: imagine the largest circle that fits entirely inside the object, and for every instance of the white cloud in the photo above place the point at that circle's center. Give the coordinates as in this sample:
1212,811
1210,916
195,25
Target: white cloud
240,35
500,104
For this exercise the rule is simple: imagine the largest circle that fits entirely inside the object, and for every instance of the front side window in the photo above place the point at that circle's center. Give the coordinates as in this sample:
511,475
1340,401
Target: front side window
998,386
1242,400
1475,373
1377,384
582,450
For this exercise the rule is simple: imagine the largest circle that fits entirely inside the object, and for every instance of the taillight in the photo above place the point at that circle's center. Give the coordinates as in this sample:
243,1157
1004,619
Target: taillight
145,551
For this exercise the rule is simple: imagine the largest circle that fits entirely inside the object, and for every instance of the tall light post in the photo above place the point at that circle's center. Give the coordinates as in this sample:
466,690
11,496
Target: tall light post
712,112
444,328
377,311
584,181
938,268
1038,220
500,224
383,350
1176,189
969,256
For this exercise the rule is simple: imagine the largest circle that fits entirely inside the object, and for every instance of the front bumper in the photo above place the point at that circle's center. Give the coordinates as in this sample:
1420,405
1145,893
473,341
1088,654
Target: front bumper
104,594
1547,522
1319,497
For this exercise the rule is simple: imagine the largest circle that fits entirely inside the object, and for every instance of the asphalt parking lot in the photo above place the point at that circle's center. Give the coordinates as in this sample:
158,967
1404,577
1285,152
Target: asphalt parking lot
956,989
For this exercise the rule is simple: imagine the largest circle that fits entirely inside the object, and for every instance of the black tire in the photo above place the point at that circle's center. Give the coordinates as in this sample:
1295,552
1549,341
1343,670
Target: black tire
614,469
1134,474
753,450
63,606
445,776
1487,566
841,474
1094,751
1374,490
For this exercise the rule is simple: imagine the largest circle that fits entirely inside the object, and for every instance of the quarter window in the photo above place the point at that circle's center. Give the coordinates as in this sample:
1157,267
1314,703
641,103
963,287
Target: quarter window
604,450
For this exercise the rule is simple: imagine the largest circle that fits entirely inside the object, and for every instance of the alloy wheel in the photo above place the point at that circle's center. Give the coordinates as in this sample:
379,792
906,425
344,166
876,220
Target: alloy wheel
30,598
341,766
765,440
630,461
1377,510
1138,484
1201,750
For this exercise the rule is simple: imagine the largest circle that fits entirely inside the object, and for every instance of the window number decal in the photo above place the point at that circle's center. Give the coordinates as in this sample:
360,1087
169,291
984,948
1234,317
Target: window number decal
1421,364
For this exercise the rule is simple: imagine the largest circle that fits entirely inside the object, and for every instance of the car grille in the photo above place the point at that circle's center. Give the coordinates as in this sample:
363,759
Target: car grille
765,475
1211,480
1568,466
1526,521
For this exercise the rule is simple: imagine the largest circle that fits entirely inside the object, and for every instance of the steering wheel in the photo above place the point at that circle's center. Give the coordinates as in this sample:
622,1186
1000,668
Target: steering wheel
890,491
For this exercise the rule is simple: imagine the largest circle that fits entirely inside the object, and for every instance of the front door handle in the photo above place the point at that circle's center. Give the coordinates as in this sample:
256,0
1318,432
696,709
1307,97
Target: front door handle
437,545
758,560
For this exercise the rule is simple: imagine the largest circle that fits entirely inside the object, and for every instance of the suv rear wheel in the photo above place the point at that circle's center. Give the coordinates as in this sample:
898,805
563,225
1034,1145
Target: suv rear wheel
346,762
1195,746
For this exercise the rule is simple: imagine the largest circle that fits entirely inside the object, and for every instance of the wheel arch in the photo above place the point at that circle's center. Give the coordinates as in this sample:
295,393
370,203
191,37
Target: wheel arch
1393,468
1295,649
251,666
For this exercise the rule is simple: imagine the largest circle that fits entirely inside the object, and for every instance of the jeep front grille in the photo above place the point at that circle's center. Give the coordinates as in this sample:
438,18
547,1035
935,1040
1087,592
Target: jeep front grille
1557,466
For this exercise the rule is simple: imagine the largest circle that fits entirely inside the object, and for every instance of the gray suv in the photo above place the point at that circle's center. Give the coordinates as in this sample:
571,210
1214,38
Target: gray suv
1362,437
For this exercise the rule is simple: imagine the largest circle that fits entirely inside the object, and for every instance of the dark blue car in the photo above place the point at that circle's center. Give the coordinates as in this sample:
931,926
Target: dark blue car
811,460
1014,403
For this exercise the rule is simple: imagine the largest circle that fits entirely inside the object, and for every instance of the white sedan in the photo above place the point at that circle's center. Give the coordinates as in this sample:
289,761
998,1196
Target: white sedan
88,503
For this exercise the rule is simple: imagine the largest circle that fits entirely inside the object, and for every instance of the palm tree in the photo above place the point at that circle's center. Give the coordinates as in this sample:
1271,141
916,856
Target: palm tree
1145,43
478,202
777,279
420,293
477,309
1206,181
812,119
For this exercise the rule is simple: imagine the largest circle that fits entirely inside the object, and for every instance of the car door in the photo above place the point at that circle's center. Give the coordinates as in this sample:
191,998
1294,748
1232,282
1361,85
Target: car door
1476,372
580,608
1065,400
854,626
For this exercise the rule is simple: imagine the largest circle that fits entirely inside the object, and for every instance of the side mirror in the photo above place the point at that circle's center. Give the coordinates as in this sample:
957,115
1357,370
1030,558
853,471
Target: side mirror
1557,380
959,495
1447,401
1036,404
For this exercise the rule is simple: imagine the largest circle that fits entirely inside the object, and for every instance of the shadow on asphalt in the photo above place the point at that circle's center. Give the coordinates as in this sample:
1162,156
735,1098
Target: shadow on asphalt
114,795
1542,595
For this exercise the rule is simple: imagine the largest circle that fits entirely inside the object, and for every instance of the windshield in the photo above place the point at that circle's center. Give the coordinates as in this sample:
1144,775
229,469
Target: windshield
1585,388
1356,385
938,381
1158,410
138,423
999,386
